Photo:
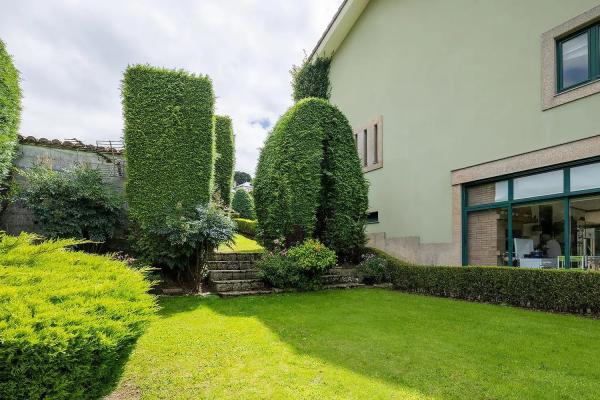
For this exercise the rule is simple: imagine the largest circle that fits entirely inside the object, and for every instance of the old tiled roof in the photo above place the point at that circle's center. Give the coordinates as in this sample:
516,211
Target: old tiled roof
68,144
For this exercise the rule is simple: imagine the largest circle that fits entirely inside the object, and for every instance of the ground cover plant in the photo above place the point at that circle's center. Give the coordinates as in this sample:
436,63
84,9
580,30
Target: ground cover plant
362,344
224,161
71,204
309,182
10,111
68,320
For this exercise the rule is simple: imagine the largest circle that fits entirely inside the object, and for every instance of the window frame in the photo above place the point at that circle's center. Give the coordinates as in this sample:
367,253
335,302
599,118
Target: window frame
368,135
593,39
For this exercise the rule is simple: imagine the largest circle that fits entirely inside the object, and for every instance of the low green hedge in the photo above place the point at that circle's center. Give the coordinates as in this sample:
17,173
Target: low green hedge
572,291
246,226
68,320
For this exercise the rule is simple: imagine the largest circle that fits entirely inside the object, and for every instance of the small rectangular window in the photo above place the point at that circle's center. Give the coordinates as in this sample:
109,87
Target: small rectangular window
373,217
585,177
365,148
375,145
539,185
578,58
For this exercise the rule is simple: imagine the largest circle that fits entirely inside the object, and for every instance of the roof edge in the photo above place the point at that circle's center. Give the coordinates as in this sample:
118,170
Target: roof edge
338,28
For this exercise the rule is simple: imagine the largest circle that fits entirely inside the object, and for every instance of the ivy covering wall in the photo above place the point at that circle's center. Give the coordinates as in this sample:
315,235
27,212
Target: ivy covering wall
225,158
169,141
309,181
10,111
311,79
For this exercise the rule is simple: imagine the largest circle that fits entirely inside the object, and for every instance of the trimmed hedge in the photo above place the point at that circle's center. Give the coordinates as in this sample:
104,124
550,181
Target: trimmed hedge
246,226
10,111
225,159
68,320
311,79
571,291
309,181
243,204
169,141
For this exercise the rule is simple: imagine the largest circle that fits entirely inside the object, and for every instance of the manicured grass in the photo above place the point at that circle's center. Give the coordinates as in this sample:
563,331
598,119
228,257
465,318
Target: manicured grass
362,344
242,245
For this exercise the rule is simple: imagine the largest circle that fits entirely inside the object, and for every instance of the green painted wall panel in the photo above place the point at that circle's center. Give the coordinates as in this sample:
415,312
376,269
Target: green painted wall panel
458,83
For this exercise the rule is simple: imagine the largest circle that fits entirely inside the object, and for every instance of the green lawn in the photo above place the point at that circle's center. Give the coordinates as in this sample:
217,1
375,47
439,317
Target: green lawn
242,244
361,344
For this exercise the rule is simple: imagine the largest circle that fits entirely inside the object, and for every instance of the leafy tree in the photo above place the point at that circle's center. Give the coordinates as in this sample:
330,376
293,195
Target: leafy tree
311,79
10,111
241,177
309,181
72,204
224,161
243,204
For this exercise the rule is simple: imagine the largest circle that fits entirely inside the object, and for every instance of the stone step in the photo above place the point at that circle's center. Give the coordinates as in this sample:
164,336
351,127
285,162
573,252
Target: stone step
232,274
236,256
239,285
344,286
332,279
244,293
230,265
342,271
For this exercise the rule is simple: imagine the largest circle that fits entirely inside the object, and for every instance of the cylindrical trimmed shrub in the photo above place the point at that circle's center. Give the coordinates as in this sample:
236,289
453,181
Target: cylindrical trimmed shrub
309,181
225,158
10,111
243,205
169,141
68,320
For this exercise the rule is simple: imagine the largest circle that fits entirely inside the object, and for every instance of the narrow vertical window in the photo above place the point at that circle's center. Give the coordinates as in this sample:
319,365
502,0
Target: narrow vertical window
365,148
375,145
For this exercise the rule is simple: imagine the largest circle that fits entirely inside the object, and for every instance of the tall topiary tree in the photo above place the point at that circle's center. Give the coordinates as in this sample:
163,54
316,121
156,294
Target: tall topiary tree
309,181
243,204
225,158
10,111
169,142
311,79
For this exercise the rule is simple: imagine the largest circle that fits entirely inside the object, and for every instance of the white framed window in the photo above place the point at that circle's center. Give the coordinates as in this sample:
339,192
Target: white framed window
369,144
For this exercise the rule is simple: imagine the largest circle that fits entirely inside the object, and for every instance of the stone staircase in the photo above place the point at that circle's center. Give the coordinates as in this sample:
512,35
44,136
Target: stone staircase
235,274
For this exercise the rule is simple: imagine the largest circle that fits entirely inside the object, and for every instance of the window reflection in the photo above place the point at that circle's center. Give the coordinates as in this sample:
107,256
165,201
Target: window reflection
575,61
585,233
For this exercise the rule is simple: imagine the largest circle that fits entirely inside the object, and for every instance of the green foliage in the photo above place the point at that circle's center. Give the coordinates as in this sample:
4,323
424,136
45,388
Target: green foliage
246,226
169,142
10,111
301,266
309,181
311,79
551,290
243,204
373,269
224,162
68,320
184,240
241,177
73,203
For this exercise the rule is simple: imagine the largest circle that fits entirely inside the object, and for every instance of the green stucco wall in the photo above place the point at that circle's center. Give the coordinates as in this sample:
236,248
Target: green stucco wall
458,83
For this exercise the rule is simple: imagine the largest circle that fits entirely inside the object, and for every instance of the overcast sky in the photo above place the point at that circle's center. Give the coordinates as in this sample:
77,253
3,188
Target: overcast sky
72,54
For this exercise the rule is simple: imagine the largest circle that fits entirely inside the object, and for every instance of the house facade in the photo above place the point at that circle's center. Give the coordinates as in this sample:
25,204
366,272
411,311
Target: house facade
478,124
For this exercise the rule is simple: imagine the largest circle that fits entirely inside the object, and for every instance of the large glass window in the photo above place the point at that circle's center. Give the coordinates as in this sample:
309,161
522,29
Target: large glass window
579,58
539,185
543,220
538,234
585,233
488,232
585,177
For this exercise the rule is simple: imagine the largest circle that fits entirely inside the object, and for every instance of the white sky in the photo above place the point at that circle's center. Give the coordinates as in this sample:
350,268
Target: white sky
72,54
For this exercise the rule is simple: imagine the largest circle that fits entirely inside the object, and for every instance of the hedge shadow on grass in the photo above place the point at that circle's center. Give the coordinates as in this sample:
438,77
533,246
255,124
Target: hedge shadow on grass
438,347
